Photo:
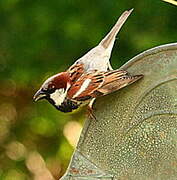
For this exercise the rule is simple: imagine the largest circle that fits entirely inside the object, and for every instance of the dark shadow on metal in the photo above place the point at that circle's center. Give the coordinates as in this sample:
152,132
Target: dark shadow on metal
135,135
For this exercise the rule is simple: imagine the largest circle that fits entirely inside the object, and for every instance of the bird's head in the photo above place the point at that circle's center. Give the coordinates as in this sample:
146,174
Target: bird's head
54,89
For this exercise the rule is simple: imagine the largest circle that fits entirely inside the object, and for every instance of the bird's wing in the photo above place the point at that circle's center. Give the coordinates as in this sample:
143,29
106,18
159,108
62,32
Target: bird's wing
85,86
100,83
75,72
115,80
98,57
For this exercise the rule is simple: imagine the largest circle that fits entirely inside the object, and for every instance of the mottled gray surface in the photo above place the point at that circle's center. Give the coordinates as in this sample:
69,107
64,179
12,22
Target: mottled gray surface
135,135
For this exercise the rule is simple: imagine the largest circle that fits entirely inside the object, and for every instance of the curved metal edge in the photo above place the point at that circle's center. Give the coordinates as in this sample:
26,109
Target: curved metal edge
155,50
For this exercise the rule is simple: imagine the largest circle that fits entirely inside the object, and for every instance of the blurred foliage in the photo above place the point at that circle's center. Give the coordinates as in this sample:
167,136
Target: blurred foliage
41,38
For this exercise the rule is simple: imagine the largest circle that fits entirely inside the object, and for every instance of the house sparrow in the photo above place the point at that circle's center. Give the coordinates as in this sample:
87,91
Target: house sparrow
88,78
67,95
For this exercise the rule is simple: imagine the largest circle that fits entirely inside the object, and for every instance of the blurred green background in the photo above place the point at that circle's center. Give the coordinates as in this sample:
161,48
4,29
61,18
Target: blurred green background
40,38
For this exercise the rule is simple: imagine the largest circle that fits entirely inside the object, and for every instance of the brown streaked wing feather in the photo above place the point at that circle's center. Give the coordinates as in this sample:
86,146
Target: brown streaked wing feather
114,75
115,82
102,83
76,72
97,80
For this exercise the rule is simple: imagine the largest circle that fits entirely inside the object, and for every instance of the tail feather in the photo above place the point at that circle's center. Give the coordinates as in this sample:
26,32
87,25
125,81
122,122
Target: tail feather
108,41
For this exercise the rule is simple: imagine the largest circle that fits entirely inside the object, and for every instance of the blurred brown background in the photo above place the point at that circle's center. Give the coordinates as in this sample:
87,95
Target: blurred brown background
41,38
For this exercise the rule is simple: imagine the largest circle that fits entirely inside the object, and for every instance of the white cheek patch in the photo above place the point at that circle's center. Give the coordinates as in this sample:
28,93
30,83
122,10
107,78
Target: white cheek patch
83,87
58,96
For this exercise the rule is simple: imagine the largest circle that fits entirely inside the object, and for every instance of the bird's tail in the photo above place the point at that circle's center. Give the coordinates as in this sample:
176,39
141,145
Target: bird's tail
108,41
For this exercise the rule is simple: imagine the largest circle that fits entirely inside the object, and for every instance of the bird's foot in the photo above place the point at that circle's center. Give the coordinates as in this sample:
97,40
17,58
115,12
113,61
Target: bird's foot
91,113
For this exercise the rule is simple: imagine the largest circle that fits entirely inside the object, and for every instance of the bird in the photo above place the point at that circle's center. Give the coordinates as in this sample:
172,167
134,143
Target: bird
67,95
91,76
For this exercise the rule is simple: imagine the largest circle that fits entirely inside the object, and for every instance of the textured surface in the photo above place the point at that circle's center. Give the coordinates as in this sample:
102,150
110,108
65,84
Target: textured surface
135,135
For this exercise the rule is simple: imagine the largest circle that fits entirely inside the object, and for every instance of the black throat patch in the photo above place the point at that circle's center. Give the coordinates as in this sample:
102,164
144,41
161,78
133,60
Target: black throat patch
68,106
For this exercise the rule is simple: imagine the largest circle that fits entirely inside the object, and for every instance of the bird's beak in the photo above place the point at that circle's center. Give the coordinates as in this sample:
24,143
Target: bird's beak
39,95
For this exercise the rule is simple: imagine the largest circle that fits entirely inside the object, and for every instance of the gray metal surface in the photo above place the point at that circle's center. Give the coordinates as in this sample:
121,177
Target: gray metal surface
135,135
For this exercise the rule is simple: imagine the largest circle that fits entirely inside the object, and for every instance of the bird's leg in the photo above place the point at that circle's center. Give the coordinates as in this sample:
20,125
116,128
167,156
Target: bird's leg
90,109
